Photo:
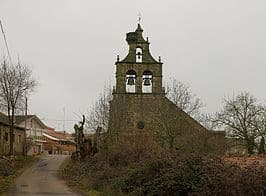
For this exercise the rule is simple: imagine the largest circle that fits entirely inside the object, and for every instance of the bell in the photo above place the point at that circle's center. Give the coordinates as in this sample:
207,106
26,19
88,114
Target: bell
130,81
139,55
147,82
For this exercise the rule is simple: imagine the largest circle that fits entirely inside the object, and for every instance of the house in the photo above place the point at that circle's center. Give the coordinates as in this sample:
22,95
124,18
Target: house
236,146
19,137
58,142
34,129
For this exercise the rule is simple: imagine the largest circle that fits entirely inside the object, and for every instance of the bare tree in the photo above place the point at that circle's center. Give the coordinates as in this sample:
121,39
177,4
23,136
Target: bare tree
173,128
168,124
260,125
16,82
206,119
240,118
181,95
98,114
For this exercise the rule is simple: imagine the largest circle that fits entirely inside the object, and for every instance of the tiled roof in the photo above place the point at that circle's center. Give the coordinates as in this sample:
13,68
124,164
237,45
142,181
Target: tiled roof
56,135
21,118
4,119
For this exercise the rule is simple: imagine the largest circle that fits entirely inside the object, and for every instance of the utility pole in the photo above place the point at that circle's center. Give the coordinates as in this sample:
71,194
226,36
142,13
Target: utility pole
4,35
26,118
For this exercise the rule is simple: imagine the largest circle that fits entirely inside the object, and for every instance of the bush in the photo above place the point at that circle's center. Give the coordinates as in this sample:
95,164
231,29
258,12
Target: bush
10,167
6,168
194,175
140,168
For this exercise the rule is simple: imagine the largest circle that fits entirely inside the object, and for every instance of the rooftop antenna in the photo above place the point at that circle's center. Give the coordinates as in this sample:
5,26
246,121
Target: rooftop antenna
64,121
2,28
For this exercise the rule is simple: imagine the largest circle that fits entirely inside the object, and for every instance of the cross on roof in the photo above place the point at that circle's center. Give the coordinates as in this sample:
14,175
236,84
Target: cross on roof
139,18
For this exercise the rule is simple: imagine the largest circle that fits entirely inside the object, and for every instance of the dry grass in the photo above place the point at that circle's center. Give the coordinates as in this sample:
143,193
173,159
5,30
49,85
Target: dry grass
247,161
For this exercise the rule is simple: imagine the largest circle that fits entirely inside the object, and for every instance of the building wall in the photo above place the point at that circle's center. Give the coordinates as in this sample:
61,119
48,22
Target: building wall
19,140
128,111
34,129
57,147
5,137
34,136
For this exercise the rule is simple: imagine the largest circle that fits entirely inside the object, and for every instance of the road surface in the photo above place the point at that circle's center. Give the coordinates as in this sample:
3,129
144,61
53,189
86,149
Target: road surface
42,179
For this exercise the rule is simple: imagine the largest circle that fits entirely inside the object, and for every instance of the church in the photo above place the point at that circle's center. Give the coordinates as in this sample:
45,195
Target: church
140,106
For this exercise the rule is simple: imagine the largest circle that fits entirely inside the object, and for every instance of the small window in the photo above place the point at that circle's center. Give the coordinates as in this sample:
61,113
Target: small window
140,125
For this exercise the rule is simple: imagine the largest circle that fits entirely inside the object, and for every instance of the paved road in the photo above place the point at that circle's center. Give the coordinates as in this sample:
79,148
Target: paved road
42,179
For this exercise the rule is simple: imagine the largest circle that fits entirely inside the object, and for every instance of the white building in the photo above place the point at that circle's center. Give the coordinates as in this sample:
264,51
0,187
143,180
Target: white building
34,131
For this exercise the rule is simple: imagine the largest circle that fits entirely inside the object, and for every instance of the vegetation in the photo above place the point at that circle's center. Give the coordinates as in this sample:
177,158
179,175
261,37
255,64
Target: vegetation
10,168
143,165
244,119
98,114
16,82
181,95
139,170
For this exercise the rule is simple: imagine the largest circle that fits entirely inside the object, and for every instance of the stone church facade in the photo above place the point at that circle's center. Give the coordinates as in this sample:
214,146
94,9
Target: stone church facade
139,104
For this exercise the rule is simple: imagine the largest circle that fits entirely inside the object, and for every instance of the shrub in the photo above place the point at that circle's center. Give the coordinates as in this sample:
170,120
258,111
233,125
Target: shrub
140,168
194,175
5,168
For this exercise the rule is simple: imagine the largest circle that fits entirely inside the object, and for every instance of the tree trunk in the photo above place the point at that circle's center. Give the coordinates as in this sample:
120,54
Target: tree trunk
11,144
250,144
262,146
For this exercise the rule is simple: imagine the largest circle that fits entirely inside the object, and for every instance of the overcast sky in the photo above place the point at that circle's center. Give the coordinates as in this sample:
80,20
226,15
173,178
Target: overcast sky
217,46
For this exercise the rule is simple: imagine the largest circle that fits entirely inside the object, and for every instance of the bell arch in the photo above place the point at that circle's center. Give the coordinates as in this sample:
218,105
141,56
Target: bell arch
131,81
138,54
147,82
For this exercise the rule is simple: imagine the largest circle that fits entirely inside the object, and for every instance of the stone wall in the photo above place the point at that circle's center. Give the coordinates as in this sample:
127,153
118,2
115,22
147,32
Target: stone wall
157,116
19,139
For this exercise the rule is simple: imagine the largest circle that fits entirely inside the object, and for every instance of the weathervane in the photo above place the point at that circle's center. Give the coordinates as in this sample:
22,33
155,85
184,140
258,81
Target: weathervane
139,17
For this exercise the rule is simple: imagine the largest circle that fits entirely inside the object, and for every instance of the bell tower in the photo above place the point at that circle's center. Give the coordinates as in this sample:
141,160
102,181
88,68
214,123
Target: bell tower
138,72
138,87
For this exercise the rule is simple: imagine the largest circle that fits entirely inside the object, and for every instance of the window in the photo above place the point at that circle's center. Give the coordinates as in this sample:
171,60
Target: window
147,82
138,55
131,81
19,139
6,137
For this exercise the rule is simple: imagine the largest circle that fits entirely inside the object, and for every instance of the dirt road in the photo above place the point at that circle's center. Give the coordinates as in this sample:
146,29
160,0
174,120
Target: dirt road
42,179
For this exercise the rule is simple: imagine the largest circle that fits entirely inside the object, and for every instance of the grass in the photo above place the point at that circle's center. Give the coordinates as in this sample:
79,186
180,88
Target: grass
13,169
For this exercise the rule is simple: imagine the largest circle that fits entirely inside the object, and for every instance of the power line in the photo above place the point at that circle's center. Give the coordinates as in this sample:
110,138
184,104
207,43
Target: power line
49,119
2,28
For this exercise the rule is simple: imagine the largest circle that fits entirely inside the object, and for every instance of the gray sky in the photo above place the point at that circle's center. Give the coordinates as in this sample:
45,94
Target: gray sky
218,47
